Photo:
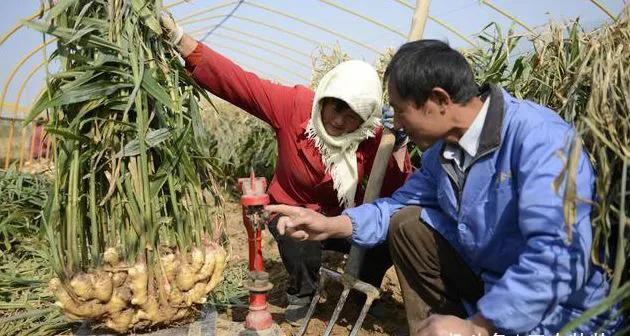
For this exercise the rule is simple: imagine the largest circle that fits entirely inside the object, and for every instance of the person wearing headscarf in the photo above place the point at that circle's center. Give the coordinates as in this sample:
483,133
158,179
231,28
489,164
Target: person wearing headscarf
327,140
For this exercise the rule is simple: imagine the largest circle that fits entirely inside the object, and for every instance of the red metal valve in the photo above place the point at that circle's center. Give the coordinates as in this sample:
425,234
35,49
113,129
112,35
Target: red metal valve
253,200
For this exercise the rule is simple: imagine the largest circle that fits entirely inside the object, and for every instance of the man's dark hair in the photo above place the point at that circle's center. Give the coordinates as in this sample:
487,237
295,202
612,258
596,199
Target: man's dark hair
419,66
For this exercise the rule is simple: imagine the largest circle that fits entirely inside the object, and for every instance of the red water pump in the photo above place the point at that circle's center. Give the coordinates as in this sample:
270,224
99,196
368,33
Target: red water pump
253,200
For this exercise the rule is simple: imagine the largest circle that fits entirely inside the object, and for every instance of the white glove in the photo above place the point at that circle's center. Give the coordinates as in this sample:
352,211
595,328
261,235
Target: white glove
173,31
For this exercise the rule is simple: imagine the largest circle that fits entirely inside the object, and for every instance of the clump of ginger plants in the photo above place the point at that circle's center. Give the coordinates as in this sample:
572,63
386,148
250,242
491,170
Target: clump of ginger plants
134,218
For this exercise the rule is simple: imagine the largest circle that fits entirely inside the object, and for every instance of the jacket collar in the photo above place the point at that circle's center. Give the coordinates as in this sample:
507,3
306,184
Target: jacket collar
492,127
490,140
490,136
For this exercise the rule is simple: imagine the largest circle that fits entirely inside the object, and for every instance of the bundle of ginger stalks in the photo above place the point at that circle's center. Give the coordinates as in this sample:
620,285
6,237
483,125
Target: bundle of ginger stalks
134,217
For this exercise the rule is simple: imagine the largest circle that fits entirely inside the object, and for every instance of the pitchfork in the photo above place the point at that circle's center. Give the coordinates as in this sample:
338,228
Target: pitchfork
350,280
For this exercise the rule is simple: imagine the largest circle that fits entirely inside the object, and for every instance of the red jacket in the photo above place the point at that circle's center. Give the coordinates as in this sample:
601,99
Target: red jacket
300,177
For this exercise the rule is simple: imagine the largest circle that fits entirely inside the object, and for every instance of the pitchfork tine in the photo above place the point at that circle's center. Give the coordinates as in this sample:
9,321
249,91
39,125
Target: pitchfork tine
349,281
309,314
314,301
364,311
338,308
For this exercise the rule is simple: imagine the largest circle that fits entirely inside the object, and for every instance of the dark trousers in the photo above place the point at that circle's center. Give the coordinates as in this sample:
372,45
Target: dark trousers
433,277
302,260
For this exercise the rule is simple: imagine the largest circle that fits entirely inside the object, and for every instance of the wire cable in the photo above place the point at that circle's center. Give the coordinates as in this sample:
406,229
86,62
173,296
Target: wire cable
240,2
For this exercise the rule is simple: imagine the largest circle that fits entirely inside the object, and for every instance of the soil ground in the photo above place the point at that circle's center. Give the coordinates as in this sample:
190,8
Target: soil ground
393,323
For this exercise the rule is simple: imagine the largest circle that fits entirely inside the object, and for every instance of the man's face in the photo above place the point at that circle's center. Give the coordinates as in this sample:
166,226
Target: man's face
424,124
338,118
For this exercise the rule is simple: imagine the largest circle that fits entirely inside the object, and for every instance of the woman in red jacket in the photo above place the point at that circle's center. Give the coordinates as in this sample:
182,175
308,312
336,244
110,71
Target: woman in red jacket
327,141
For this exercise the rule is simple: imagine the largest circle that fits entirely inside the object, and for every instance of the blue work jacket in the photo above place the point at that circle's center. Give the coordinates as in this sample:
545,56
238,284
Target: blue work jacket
507,221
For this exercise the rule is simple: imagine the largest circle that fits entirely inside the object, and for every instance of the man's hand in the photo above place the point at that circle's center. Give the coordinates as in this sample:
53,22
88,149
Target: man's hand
448,325
306,224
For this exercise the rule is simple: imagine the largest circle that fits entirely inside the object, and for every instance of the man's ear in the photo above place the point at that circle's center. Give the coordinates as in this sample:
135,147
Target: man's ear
440,97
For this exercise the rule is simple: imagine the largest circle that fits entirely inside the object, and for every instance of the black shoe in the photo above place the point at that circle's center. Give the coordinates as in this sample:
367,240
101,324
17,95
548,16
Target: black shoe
296,309
377,310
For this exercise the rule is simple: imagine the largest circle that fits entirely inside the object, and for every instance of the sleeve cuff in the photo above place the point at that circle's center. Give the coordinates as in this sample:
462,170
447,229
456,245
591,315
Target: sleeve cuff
192,60
367,225
504,315
350,213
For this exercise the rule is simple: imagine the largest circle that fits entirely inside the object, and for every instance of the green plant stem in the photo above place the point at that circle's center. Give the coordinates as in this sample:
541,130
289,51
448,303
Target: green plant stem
620,258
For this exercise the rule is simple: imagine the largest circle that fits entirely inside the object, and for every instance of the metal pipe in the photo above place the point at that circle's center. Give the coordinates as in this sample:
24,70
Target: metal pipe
19,25
281,13
17,103
266,24
6,88
282,56
276,43
266,75
507,15
253,198
604,9
30,152
176,3
322,28
364,17
279,66
207,10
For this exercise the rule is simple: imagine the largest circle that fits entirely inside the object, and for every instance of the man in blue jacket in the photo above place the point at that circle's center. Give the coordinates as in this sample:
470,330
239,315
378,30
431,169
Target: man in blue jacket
478,232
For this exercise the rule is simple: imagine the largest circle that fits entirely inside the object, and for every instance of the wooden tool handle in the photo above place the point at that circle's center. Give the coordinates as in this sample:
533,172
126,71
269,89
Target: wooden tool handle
385,147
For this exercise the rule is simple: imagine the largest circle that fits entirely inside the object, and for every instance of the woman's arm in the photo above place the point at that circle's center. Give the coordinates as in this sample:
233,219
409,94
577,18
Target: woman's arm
186,46
273,103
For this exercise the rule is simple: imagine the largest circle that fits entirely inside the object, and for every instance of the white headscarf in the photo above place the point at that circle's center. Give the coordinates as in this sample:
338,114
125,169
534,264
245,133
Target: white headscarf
356,83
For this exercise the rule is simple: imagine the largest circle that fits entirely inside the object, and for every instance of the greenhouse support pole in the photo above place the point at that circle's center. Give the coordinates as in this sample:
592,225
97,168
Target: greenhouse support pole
419,20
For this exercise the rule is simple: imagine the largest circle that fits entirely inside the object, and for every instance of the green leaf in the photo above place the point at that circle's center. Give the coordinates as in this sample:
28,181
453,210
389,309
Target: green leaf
36,110
66,133
80,33
606,304
155,89
79,118
153,138
140,7
60,7
66,34
86,92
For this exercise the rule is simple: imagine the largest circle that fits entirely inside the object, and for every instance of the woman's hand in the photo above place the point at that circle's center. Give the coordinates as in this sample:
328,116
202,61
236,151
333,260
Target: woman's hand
387,119
306,224
183,42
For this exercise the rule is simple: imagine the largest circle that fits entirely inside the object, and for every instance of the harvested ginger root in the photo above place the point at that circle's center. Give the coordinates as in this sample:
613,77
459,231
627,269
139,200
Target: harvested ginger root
120,297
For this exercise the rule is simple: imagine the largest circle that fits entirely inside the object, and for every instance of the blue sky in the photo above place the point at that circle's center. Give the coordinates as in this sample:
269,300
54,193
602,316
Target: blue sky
467,16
